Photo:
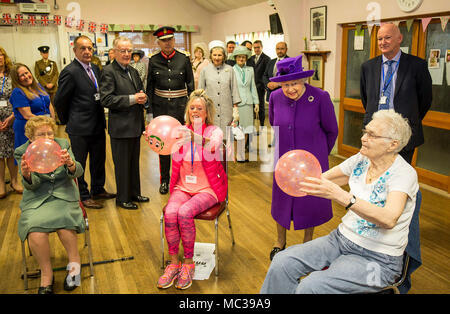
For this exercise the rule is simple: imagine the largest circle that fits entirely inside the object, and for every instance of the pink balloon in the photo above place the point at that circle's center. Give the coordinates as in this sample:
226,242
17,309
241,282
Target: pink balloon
162,133
293,167
43,155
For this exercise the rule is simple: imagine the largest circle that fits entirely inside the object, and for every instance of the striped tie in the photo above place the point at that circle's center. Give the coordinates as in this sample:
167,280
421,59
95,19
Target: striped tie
388,91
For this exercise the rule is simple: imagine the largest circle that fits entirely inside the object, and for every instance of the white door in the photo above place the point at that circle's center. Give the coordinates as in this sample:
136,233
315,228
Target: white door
21,43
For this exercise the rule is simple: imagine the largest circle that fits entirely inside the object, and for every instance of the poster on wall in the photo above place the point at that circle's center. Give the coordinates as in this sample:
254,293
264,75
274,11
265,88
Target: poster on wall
318,21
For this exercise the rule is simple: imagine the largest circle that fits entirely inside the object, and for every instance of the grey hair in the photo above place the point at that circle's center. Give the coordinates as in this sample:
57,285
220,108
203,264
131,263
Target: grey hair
223,52
121,38
395,127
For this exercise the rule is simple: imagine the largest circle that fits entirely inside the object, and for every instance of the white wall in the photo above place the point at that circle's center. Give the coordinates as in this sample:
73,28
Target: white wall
294,15
184,12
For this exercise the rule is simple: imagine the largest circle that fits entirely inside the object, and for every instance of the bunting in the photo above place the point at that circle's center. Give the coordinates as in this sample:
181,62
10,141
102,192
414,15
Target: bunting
425,22
7,18
44,20
444,21
92,27
20,19
409,23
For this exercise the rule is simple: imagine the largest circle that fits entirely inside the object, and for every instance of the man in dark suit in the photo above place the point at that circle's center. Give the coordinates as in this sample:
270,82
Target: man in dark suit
77,102
260,61
121,91
170,81
230,48
271,70
399,81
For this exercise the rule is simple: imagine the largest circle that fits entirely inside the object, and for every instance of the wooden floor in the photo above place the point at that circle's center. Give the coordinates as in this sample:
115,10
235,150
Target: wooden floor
118,233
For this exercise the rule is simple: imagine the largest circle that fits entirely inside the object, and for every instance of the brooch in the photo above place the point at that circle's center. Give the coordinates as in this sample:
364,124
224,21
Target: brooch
311,98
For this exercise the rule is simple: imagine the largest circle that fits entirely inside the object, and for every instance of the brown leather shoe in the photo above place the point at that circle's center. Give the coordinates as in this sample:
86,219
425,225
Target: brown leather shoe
104,196
90,203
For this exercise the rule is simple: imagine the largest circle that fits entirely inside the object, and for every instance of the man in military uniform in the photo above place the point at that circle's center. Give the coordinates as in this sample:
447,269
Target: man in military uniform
169,83
46,72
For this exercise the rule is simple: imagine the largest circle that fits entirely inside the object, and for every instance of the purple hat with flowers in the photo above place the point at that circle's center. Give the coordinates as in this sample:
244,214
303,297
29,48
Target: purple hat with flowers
290,69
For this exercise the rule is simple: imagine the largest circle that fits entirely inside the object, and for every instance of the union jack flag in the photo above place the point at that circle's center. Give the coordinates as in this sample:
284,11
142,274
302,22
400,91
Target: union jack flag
19,19
68,22
80,25
103,28
92,27
32,20
57,19
7,18
44,20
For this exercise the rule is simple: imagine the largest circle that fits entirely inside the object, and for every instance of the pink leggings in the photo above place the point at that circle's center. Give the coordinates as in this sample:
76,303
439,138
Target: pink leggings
179,219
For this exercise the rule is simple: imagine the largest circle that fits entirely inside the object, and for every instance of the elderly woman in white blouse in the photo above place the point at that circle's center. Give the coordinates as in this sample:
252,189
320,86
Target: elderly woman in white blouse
365,253
219,81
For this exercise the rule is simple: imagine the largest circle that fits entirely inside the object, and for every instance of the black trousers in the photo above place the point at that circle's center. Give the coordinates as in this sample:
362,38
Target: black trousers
262,105
407,155
125,153
95,146
164,167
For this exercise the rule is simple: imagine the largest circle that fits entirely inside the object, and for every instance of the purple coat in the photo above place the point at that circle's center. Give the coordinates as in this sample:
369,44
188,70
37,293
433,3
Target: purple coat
309,124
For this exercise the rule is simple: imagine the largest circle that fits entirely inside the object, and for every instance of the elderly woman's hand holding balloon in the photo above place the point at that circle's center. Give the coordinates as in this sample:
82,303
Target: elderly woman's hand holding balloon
26,171
67,160
322,187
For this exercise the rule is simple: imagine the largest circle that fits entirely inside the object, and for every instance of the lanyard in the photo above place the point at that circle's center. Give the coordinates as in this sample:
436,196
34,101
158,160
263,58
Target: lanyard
193,149
386,85
91,74
3,85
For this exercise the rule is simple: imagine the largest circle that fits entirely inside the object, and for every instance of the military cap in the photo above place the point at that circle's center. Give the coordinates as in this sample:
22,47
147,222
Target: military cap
164,32
44,49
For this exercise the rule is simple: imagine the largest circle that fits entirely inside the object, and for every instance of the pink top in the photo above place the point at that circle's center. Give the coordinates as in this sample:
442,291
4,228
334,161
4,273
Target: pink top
196,169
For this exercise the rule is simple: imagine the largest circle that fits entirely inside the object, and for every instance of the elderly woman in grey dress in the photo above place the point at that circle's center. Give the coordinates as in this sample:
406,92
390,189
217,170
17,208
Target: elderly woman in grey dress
50,203
6,130
219,81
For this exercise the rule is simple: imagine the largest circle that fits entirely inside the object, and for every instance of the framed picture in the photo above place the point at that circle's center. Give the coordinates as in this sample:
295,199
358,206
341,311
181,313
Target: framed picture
318,20
316,64
433,61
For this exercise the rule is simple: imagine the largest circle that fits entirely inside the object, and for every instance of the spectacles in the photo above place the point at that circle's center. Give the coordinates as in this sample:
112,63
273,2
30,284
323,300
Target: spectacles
124,51
372,136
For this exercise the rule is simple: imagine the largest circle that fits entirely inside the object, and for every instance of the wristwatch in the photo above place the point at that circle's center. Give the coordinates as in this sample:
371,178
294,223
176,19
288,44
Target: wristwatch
352,201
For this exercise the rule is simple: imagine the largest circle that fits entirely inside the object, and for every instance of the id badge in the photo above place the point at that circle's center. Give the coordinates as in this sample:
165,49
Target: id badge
383,100
3,103
97,96
191,179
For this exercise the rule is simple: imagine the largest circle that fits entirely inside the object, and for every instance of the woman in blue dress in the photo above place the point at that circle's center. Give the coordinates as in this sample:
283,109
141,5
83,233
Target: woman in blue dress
28,99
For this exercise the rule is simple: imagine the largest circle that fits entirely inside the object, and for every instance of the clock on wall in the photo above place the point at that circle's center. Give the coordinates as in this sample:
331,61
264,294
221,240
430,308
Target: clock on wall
409,5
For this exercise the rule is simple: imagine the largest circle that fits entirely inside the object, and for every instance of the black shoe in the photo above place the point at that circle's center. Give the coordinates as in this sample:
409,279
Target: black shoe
127,205
140,199
164,188
48,289
275,250
71,279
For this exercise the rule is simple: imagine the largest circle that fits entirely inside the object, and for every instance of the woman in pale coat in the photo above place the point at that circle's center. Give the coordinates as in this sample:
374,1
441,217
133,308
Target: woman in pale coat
219,82
199,61
245,77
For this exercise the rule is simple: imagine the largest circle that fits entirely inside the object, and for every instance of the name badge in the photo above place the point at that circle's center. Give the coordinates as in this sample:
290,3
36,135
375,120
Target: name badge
3,103
191,179
97,96
383,100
